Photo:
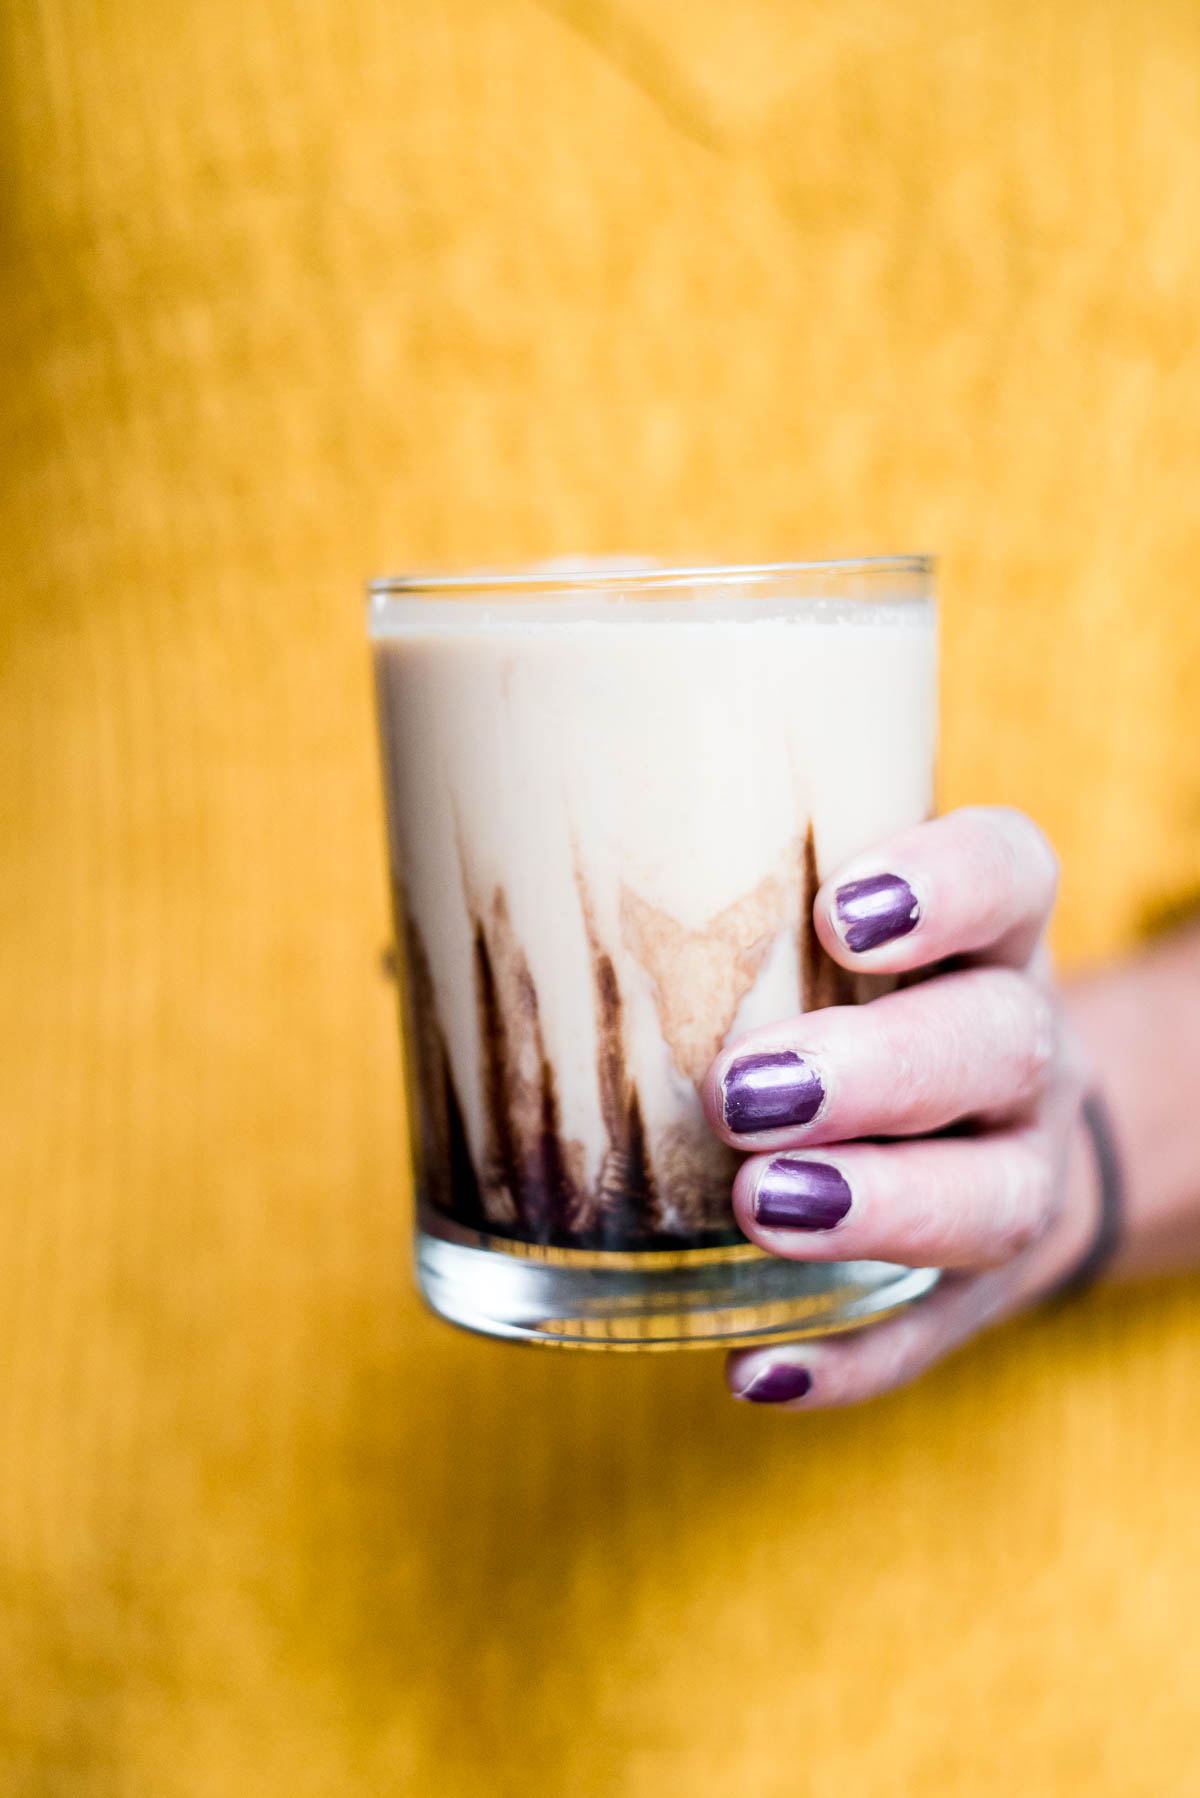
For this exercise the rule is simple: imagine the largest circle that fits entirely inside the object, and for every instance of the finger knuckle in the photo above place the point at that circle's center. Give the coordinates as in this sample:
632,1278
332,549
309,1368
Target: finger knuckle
1009,853
1037,1041
1022,1025
1023,1202
1032,851
894,1356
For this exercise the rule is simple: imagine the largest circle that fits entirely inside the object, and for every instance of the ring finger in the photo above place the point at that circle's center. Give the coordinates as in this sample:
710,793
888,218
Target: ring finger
962,1202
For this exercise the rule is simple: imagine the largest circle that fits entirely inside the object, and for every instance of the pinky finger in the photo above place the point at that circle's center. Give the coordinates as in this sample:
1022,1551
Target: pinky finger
844,1370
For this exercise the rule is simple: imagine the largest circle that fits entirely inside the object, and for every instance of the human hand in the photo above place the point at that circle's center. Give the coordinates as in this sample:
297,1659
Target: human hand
1009,1203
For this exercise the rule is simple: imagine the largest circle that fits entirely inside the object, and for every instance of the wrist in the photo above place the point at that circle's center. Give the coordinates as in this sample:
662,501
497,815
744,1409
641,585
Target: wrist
1068,1245
1108,1186
1140,1025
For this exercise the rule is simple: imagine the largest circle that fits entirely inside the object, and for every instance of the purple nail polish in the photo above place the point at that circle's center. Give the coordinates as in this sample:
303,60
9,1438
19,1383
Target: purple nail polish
800,1195
767,1092
776,1385
876,911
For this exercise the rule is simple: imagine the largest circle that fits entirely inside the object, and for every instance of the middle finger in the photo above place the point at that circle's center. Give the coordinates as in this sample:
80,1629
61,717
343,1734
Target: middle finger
973,1044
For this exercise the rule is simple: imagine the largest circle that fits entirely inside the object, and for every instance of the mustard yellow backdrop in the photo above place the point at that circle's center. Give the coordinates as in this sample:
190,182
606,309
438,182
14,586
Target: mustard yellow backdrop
297,290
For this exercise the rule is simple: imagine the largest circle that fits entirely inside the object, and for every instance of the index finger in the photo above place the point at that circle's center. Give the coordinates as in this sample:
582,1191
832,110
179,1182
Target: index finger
979,883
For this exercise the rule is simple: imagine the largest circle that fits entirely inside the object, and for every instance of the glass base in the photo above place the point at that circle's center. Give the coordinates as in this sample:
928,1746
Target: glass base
694,1298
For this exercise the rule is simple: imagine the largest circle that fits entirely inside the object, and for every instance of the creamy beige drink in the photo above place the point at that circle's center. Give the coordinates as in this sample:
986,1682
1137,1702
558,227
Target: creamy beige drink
608,817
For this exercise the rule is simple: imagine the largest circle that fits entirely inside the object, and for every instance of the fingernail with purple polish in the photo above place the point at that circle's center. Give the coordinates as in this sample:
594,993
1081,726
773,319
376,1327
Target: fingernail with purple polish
769,1092
800,1195
876,911
776,1385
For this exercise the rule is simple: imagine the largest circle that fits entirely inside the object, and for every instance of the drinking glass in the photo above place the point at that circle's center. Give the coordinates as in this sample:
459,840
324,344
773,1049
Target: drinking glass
612,790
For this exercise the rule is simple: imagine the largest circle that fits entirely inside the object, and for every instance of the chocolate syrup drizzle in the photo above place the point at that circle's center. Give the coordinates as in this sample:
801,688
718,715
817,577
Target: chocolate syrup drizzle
531,1184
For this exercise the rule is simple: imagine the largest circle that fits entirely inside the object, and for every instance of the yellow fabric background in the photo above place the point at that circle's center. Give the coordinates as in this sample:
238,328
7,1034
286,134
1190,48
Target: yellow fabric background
296,290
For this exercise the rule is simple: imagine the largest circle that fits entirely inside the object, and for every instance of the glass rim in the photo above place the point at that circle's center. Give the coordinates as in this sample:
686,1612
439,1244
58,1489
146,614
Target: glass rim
613,574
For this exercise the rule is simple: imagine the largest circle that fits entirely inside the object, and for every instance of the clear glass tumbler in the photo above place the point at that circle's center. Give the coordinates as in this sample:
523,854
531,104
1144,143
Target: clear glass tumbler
612,791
